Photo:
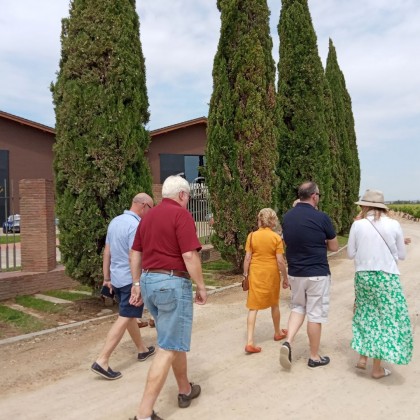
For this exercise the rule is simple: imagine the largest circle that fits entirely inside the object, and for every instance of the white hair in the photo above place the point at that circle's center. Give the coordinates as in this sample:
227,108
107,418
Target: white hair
173,185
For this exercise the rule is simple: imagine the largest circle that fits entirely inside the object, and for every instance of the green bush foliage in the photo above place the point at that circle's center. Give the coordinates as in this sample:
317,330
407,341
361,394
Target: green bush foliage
304,150
101,108
347,174
411,209
242,136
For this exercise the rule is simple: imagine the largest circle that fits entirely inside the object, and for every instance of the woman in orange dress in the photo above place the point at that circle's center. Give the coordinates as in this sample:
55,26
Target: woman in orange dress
262,265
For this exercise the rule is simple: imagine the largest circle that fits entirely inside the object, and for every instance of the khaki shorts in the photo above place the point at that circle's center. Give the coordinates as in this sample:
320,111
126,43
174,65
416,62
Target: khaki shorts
311,296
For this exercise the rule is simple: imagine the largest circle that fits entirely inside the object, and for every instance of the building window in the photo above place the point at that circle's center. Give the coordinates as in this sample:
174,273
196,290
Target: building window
187,165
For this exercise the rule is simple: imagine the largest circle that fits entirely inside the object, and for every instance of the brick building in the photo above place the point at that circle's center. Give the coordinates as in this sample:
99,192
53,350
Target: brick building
26,152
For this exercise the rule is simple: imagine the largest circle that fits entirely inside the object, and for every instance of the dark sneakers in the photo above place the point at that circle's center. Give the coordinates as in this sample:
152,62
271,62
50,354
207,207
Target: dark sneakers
184,401
154,416
143,356
107,374
323,361
286,355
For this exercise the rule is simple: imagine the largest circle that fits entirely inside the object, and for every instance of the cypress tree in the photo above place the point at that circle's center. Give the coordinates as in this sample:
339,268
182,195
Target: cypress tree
241,150
303,141
335,210
348,156
355,162
101,108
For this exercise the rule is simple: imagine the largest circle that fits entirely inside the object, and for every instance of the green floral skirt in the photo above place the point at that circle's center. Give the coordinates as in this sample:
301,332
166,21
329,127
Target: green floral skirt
381,323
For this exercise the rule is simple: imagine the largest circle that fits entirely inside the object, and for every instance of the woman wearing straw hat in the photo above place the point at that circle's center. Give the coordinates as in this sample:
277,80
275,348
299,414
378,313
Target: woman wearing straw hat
381,323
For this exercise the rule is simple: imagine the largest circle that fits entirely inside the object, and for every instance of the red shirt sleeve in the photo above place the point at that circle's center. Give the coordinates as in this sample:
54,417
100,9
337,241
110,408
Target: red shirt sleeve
137,244
186,233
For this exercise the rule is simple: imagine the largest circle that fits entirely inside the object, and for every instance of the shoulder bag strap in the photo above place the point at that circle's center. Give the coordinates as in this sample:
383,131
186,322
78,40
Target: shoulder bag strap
380,234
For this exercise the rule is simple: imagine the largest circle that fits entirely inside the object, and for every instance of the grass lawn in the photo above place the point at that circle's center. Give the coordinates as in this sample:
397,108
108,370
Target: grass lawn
10,238
65,294
215,270
342,240
23,322
39,304
219,265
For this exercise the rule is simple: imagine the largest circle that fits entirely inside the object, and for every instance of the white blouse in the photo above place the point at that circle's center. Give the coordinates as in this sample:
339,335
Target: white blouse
370,251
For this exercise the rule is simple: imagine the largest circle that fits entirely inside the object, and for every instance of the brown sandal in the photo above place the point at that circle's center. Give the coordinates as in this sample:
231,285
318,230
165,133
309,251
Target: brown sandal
360,365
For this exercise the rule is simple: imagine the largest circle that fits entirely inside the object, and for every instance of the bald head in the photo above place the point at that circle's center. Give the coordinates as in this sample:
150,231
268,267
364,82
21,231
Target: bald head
141,204
309,193
142,198
306,190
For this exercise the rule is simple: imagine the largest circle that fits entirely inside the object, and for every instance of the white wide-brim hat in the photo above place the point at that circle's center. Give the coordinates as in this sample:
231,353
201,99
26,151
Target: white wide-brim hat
372,198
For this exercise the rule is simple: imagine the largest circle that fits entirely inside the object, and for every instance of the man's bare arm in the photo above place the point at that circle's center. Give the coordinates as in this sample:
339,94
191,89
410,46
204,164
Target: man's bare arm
332,244
193,263
135,267
106,266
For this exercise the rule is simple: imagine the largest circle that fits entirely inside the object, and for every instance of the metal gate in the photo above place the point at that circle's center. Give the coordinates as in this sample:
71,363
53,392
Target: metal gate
199,206
10,230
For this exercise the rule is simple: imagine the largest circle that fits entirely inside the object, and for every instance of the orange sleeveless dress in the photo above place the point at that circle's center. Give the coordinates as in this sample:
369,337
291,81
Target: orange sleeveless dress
264,275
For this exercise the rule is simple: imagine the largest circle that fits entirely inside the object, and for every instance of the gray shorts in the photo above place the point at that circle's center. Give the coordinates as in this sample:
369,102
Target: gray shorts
311,296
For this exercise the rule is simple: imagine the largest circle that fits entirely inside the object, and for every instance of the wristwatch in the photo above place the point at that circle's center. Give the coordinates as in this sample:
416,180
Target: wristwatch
245,275
137,283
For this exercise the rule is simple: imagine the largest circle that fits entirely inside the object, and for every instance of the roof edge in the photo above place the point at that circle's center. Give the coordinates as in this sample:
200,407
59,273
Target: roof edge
29,123
167,129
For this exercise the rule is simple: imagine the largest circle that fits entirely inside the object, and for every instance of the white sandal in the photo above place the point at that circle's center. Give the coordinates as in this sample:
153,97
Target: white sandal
387,372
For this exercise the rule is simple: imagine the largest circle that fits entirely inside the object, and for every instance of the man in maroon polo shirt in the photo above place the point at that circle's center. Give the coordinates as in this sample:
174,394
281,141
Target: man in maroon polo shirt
165,255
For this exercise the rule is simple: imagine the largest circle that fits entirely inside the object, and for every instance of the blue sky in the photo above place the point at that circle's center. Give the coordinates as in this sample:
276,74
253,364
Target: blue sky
377,43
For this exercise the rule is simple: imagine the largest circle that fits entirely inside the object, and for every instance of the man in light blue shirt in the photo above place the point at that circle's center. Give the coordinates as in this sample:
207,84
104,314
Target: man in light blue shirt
117,277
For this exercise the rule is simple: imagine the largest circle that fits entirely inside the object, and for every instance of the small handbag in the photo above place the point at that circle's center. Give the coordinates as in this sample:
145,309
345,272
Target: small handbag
245,284
245,281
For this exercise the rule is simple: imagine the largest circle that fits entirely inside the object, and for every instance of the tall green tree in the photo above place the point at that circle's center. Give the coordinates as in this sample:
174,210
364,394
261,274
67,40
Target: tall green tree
242,147
303,140
354,152
101,108
335,210
348,156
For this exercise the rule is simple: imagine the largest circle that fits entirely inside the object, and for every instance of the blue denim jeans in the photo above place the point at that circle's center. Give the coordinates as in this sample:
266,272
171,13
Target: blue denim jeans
170,302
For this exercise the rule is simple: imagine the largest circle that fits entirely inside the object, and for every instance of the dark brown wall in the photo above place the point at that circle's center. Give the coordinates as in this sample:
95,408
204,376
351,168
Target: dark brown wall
189,140
30,154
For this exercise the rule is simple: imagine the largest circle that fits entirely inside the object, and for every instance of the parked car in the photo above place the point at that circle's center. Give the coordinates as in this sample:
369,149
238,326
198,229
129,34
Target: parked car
12,224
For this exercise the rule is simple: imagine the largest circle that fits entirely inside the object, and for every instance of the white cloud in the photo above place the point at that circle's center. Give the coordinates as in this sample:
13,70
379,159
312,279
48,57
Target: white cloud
377,49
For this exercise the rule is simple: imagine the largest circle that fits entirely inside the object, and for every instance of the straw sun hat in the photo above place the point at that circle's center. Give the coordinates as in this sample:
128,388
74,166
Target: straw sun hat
372,198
